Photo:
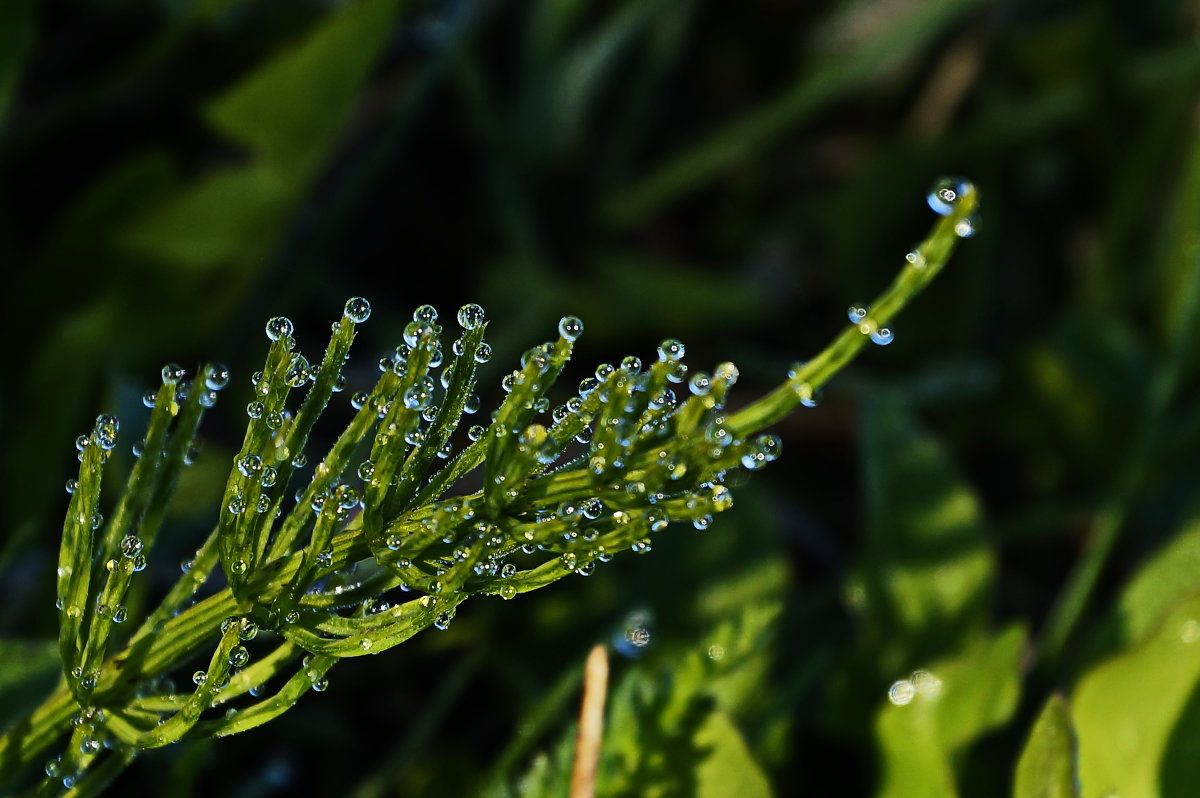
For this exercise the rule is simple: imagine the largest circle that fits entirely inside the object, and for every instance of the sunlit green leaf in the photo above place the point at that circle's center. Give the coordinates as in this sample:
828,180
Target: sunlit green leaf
290,110
955,701
1138,714
1160,584
729,769
926,565
1046,768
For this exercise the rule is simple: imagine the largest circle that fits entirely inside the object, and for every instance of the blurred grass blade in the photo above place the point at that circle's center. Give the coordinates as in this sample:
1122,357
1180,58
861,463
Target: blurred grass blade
28,671
1046,768
835,74
582,74
17,34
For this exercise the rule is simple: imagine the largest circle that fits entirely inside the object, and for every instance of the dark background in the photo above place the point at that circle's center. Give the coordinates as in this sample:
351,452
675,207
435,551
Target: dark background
732,174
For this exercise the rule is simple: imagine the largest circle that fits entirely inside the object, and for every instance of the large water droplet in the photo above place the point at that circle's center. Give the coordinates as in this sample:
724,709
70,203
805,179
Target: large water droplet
901,692
946,193
279,327
671,349
470,316
570,327
357,310
217,376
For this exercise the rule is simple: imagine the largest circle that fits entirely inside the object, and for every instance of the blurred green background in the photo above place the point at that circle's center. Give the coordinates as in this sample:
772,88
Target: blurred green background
173,172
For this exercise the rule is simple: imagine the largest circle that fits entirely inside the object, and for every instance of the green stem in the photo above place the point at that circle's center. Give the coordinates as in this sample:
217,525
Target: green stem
929,259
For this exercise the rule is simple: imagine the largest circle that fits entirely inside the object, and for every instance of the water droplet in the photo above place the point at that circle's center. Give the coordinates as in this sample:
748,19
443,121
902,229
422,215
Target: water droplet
325,559
216,376
131,546
901,692
269,476
857,314
570,327
700,384
882,336
671,349
236,505
149,398
357,310
946,193
915,257
238,567
926,684
199,678
274,419
298,371
255,409
279,327
472,404
470,316
106,431
172,373
72,485
967,226
238,656
249,465
417,397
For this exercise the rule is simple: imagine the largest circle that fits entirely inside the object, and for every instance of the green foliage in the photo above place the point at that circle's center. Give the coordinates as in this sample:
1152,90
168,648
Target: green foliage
956,701
1046,768
310,575
673,726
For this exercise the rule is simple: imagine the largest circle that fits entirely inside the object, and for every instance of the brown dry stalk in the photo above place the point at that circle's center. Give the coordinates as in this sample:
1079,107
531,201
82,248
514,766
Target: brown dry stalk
591,724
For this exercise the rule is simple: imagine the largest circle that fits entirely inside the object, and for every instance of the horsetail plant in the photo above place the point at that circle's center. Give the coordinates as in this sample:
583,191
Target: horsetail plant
314,572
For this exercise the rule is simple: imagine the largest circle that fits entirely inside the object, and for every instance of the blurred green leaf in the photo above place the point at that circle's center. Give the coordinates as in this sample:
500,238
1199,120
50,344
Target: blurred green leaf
1046,768
1161,583
839,71
17,34
978,691
290,111
926,566
729,769
1137,714
28,671
221,220
288,114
